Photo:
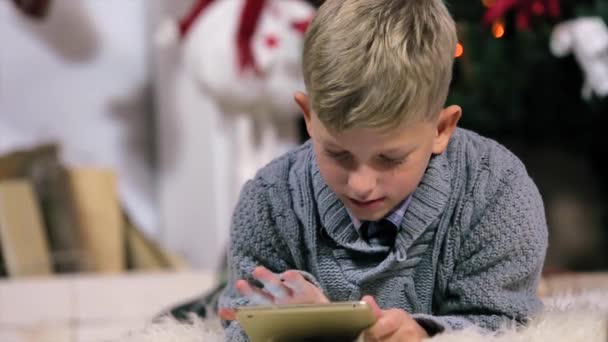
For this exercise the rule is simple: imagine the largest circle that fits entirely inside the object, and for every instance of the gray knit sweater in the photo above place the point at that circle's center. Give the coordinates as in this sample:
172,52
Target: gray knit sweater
470,250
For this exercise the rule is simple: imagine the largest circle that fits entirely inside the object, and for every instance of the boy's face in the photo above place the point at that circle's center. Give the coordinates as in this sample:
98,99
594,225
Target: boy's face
372,170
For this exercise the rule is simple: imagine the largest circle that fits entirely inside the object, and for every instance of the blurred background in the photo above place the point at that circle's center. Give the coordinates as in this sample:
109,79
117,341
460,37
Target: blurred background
128,127
534,76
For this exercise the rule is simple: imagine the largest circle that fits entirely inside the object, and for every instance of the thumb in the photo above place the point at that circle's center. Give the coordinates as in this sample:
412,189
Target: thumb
372,303
227,314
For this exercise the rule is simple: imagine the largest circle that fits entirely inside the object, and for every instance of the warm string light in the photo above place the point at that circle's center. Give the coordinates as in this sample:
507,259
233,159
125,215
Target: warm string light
498,29
459,50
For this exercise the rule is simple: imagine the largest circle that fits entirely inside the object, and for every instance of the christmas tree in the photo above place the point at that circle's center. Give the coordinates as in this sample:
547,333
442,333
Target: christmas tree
514,88
508,80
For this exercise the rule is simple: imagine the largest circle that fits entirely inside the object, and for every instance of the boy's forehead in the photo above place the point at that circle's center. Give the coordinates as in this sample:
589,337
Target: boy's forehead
393,140
405,134
401,127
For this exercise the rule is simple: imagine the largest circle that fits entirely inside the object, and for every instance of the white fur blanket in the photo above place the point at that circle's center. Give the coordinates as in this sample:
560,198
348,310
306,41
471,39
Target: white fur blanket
572,318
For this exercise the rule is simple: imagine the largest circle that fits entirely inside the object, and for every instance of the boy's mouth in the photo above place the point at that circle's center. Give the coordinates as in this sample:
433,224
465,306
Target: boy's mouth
368,204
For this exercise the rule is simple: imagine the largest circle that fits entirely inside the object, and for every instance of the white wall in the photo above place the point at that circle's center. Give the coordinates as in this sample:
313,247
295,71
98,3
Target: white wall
80,76
192,186
206,153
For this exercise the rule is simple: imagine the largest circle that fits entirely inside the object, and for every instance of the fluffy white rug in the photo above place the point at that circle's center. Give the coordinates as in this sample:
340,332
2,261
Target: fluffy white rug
572,318
565,318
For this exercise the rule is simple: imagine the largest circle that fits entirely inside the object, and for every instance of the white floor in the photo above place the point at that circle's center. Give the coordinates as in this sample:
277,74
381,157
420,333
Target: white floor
90,308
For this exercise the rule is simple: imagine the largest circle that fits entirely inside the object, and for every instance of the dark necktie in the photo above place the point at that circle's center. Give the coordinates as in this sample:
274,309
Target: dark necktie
381,232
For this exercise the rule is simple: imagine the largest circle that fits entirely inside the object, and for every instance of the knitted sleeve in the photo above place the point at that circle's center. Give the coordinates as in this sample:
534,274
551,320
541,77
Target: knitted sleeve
255,241
497,259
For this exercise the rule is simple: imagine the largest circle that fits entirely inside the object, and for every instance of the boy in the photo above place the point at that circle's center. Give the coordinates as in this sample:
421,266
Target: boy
434,226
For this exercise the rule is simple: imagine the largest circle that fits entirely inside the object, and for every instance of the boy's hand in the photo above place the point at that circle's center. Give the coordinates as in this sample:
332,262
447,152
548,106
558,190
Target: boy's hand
392,325
289,287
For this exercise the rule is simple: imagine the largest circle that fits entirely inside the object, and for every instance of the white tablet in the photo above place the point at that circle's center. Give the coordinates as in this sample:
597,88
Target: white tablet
341,321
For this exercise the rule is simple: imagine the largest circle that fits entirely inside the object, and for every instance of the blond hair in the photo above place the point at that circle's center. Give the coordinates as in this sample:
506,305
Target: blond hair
377,63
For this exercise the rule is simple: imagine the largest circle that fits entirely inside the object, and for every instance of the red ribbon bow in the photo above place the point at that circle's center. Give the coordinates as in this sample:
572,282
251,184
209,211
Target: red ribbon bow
526,9
249,18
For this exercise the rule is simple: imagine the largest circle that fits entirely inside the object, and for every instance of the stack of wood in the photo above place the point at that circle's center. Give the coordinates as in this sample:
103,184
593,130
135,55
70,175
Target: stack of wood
55,219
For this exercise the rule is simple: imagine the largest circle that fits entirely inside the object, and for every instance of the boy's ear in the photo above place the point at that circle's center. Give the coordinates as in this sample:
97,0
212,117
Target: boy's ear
302,102
446,124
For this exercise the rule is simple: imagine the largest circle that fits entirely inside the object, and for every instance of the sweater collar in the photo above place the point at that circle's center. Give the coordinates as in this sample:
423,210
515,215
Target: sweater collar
425,208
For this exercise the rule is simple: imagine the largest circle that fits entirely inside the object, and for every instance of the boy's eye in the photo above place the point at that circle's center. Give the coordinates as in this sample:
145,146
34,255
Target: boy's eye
337,155
392,161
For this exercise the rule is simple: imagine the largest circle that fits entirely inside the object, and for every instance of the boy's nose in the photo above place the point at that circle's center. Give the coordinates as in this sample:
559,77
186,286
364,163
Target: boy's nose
362,183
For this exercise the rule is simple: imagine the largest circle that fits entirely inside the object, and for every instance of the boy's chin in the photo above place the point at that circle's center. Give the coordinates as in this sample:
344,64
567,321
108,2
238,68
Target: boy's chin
363,214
